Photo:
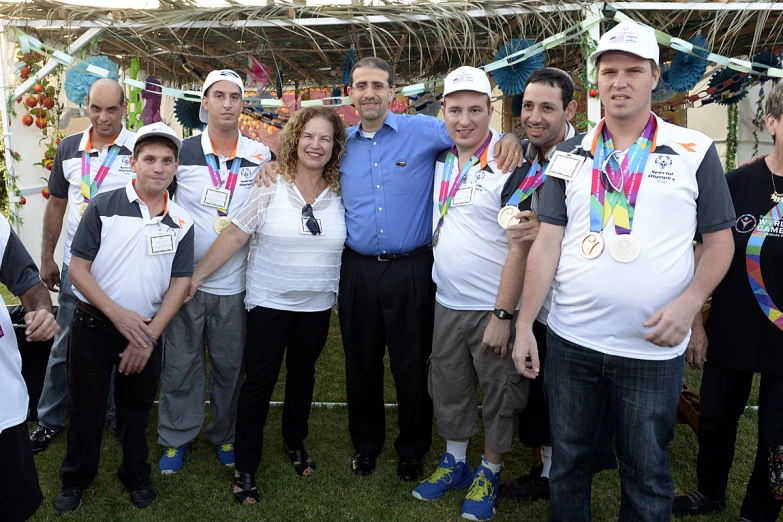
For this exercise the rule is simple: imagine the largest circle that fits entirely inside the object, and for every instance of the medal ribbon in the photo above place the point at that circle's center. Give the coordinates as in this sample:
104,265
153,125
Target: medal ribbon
89,189
534,178
231,181
753,265
446,193
605,201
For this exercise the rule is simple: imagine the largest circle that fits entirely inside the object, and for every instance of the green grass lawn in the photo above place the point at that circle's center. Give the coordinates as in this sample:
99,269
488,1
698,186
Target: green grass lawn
202,490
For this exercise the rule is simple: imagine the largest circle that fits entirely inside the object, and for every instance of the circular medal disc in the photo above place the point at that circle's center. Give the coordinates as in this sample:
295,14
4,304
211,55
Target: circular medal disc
436,237
221,223
592,245
506,216
82,208
624,249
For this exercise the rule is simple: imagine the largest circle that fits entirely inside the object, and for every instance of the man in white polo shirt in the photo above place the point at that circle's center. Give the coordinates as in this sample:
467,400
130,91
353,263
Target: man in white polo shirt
131,267
213,181
20,494
470,248
88,163
619,211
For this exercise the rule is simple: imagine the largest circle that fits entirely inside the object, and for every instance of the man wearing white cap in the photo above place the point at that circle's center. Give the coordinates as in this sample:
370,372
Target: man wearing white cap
470,249
214,178
619,211
132,258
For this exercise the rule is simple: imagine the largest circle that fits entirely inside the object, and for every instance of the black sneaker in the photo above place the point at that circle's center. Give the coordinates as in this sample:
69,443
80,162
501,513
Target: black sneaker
142,494
696,504
40,437
529,487
68,499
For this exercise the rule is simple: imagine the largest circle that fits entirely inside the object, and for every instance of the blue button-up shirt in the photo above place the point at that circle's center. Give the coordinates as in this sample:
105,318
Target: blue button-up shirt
386,184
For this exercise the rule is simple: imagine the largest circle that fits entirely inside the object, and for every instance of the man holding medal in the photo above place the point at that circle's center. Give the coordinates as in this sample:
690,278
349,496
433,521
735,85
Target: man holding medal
470,248
214,178
619,212
88,163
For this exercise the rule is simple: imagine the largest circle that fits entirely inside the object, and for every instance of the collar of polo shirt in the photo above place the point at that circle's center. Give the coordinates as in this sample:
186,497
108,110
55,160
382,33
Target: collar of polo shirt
661,137
130,190
532,150
86,143
206,144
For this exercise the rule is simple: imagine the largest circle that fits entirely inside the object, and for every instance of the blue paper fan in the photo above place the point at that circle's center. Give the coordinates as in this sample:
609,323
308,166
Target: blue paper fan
734,93
186,112
77,83
686,69
511,79
765,58
348,63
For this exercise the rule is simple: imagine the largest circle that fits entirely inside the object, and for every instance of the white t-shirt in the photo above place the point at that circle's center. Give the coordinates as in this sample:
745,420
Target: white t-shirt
192,177
289,267
601,304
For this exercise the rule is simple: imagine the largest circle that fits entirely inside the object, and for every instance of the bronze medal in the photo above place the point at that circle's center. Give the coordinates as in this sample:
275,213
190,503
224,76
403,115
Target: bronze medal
592,245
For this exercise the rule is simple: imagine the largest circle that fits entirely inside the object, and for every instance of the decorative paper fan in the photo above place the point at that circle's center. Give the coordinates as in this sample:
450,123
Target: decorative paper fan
348,63
735,91
687,70
186,113
663,92
77,83
766,58
511,79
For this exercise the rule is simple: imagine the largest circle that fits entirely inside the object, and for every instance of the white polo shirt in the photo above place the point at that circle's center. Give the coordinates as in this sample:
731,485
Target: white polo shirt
601,304
192,177
19,273
65,181
115,234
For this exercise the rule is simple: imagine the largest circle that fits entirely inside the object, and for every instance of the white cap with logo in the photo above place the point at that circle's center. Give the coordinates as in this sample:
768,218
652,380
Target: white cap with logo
158,129
218,76
467,79
629,37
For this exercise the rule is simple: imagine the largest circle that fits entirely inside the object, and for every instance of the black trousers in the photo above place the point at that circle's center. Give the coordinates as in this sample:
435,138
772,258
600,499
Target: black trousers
387,303
93,350
269,333
724,394
20,493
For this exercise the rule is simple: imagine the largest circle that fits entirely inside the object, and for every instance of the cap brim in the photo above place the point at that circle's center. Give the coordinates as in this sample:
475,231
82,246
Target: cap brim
202,114
174,139
596,54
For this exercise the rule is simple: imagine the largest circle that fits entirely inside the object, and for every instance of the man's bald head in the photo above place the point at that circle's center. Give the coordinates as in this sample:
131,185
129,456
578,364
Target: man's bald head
106,86
106,106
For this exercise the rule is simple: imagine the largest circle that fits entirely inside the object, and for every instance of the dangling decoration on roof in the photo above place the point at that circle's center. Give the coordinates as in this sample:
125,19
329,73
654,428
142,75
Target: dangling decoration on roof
768,59
77,83
733,93
348,63
186,113
663,92
686,69
511,79
151,112
279,84
257,73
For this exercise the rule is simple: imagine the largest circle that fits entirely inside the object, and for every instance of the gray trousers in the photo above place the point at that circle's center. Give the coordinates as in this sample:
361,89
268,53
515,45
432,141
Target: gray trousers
220,322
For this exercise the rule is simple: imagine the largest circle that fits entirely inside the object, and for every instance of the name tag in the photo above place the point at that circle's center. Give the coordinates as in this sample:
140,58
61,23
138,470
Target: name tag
215,197
303,227
564,165
464,196
161,243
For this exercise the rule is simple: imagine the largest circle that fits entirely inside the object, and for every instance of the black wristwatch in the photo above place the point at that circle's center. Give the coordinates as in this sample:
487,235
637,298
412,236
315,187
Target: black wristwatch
503,314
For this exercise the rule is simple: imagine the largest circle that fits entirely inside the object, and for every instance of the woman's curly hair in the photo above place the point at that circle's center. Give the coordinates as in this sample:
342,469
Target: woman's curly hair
289,140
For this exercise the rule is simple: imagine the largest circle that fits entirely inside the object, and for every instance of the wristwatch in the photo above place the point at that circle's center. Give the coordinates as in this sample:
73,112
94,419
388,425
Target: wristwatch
503,314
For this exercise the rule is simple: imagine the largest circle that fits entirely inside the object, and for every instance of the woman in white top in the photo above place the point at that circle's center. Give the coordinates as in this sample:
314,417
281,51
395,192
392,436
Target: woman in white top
298,231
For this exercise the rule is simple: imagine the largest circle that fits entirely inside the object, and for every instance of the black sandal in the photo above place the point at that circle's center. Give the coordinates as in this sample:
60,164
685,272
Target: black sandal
247,482
302,462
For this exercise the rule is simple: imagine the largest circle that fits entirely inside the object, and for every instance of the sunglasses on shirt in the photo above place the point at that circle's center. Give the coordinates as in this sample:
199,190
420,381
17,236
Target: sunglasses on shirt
312,223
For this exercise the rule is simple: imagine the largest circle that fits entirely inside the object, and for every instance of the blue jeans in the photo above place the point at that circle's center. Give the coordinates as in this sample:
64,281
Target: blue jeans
53,404
583,387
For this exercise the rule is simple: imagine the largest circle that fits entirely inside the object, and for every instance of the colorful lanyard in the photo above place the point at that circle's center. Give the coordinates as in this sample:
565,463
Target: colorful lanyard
231,182
604,199
89,189
446,194
534,178
753,265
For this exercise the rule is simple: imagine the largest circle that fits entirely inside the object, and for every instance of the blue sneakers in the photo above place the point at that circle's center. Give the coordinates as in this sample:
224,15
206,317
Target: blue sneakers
172,458
449,475
225,454
480,501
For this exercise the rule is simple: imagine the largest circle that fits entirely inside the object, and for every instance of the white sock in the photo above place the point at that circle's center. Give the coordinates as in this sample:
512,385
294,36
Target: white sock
457,449
546,460
494,468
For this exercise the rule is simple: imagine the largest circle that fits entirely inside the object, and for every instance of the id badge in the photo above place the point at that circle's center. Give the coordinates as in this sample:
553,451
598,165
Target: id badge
303,226
564,165
161,243
215,197
464,196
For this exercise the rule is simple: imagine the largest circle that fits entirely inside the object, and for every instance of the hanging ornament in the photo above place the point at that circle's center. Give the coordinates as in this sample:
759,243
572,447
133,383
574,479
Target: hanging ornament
732,94
348,63
511,79
686,69
663,92
77,83
279,84
257,73
186,112
152,98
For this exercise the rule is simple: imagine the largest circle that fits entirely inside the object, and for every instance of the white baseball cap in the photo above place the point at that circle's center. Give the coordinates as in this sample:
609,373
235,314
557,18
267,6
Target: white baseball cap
467,79
218,76
629,37
158,129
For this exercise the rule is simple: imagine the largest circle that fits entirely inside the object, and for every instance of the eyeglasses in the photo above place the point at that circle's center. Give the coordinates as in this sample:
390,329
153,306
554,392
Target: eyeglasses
312,223
375,86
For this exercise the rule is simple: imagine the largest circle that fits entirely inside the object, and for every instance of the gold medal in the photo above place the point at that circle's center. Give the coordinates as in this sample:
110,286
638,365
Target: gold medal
221,223
624,249
82,208
506,216
592,245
